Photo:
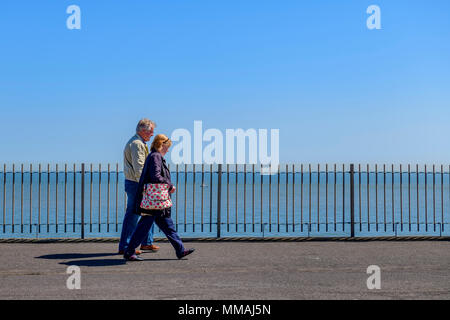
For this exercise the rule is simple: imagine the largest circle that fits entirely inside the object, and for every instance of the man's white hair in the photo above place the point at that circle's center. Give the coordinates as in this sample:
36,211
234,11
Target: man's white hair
145,124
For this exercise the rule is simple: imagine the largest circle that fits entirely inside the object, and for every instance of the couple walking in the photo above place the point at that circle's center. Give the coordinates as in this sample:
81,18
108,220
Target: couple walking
142,167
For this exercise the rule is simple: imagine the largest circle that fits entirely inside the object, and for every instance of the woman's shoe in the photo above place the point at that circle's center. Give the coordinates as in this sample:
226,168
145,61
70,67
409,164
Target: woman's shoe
185,253
138,252
133,257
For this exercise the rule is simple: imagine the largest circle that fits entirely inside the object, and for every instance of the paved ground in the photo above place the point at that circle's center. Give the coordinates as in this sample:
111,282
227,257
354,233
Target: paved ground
231,270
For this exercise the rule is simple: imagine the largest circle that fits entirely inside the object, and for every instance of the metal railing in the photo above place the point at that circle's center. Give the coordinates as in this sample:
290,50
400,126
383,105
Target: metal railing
234,200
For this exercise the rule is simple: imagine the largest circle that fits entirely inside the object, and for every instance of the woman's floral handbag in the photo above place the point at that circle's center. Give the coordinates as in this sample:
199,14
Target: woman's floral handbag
156,197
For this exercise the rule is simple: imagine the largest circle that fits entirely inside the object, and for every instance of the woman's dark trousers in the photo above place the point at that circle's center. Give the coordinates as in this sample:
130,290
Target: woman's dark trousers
164,223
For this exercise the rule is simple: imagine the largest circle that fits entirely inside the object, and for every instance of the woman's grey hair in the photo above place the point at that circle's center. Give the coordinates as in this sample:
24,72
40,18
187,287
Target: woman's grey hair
145,124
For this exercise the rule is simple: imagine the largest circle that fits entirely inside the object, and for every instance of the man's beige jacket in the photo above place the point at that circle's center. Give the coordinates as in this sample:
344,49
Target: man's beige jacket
134,155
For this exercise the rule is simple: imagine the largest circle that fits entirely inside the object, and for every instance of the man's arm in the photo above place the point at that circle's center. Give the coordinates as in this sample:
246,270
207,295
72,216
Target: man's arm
138,159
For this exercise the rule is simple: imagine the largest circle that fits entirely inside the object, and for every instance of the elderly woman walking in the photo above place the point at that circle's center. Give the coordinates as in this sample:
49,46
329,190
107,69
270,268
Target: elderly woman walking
155,172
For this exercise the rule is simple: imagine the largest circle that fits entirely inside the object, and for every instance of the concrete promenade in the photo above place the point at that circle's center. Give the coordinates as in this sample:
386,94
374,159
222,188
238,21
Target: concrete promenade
229,270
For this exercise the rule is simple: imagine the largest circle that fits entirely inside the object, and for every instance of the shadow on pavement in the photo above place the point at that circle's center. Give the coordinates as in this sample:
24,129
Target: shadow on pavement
75,255
174,259
107,262
95,263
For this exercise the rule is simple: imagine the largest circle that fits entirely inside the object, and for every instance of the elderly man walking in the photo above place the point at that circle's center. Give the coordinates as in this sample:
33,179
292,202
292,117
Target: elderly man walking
135,153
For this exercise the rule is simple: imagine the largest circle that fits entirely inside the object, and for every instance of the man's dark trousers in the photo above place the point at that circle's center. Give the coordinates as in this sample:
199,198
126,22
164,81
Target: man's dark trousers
130,219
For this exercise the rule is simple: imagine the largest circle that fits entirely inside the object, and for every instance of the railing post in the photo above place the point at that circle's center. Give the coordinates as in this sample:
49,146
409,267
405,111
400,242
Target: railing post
352,200
82,200
219,198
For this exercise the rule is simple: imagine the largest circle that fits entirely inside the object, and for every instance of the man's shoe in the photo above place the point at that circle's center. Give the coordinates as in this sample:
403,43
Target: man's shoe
150,247
133,257
138,252
185,253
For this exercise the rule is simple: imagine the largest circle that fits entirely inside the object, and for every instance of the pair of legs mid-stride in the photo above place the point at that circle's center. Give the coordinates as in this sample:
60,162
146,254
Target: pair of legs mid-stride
130,222
166,225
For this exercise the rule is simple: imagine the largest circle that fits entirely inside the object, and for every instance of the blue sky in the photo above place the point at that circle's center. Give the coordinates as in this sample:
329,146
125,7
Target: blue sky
337,91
